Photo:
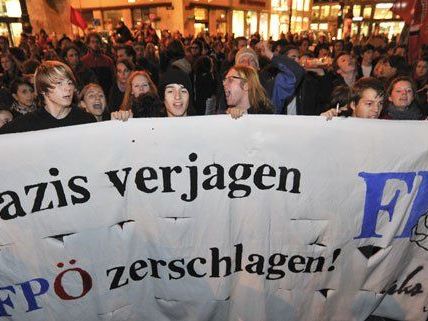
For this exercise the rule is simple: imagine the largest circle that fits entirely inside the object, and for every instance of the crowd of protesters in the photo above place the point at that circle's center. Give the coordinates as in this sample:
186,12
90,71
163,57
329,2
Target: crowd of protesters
48,82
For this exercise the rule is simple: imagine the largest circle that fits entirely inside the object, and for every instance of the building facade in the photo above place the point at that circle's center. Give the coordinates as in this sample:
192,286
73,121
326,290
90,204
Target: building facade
364,17
269,18
241,17
13,15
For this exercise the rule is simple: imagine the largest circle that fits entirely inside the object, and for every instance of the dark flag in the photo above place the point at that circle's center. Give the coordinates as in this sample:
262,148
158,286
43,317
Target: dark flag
77,19
414,13
405,9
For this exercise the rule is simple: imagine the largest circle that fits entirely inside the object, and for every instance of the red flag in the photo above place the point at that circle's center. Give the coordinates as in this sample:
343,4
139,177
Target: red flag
423,36
77,19
405,9
418,29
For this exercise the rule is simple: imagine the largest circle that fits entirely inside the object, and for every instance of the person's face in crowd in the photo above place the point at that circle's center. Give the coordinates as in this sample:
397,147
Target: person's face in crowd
242,44
3,42
338,47
384,70
247,60
61,95
94,44
139,50
188,54
304,47
6,64
235,89
277,51
140,86
369,106
122,73
293,54
72,57
205,50
94,101
346,64
218,48
400,52
421,69
376,55
368,56
121,54
65,43
402,94
323,53
24,95
5,117
176,100
194,49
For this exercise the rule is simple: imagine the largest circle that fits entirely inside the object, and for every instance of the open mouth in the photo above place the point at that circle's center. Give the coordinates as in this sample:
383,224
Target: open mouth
97,106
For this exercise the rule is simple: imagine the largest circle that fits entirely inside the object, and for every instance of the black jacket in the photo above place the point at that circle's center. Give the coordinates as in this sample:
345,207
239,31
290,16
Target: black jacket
41,119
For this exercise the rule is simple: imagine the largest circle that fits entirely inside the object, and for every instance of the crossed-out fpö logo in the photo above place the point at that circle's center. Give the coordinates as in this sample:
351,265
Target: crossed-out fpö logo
33,289
420,232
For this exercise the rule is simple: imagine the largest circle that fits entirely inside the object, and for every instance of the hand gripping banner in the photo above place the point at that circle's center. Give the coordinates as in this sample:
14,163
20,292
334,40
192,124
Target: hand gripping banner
209,218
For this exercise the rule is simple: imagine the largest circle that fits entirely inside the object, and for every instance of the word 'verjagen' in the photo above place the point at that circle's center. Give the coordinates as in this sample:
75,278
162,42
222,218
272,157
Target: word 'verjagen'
215,176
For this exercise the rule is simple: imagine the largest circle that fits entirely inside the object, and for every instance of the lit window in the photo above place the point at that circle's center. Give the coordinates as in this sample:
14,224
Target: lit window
263,28
382,11
315,12
238,23
305,24
323,26
334,11
13,8
325,12
252,22
367,12
274,26
201,14
16,30
356,11
307,4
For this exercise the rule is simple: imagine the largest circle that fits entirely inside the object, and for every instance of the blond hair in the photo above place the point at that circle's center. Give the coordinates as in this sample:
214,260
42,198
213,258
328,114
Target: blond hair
48,74
256,93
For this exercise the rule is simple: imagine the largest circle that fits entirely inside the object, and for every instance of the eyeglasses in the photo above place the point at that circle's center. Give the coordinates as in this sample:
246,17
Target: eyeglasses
229,79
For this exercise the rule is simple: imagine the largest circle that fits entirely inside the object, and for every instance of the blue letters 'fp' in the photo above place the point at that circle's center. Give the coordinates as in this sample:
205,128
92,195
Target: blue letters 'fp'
375,186
29,294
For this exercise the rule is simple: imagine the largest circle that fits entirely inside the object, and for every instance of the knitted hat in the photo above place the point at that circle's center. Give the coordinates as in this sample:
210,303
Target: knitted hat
247,52
175,76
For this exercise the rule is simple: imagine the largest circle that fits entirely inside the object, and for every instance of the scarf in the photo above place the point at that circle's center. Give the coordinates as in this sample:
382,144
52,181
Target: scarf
412,112
22,109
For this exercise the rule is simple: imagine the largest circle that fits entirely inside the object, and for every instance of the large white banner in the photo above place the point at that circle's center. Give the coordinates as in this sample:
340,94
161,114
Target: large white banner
209,218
